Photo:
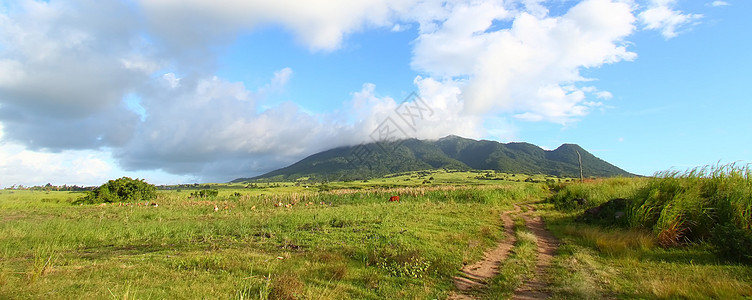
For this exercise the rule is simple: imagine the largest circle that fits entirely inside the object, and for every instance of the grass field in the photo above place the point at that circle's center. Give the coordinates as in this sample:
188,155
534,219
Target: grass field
340,240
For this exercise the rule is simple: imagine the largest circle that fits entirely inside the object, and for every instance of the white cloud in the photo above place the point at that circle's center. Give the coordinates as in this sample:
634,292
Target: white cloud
210,126
320,25
399,28
532,68
598,94
604,95
719,3
82,79
660,15
443,97
22,166
172,80
214,128
281,77
451,49
278,82
66,67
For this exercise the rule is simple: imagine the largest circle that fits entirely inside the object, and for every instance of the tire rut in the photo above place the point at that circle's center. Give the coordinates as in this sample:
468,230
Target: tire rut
547,243
475,276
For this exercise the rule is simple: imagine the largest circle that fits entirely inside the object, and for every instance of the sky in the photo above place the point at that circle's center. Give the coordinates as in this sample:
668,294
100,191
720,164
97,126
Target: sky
183,91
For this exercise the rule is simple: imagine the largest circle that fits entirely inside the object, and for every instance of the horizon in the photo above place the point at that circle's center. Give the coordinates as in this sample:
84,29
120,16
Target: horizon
209,91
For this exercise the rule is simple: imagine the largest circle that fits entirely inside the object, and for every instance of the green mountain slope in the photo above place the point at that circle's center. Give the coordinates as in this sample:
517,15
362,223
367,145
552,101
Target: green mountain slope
452,152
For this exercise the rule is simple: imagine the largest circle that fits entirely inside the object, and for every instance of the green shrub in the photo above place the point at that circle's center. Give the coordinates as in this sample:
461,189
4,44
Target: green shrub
120,190
205,194
611,213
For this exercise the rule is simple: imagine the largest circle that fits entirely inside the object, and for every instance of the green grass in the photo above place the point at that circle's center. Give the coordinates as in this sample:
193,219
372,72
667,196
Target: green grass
354,245
688,206
686,233
344,240
595,262
591,193
519,266
709,204
413,179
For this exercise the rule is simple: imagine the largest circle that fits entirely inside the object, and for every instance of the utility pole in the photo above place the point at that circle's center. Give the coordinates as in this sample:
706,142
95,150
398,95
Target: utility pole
579,158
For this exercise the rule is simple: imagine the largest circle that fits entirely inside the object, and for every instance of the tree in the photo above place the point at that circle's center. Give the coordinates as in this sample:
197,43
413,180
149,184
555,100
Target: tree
123,189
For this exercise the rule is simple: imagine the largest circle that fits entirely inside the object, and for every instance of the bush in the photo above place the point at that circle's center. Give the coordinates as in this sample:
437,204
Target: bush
611,213
205,194
120,190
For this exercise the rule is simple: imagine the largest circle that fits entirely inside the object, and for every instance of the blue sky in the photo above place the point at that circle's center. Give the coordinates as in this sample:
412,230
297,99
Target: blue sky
207,91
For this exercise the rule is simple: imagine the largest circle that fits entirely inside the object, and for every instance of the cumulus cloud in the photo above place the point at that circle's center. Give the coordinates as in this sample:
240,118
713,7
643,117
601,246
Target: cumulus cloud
661,15
136,80
451,47
718,3
320,25
218,129
444,99
432,112
65,70
201,125
532,67
21,166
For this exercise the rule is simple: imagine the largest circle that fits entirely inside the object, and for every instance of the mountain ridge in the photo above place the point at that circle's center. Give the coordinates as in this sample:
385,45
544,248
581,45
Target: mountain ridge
377,159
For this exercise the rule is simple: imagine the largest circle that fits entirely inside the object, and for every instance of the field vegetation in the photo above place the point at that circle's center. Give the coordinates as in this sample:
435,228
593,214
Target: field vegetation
285,242
681,235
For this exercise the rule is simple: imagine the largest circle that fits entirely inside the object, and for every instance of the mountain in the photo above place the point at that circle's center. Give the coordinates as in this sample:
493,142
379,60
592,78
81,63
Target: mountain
452,152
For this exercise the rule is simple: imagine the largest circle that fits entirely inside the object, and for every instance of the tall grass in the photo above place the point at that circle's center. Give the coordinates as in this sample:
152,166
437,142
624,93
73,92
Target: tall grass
706,204
702,204
570,196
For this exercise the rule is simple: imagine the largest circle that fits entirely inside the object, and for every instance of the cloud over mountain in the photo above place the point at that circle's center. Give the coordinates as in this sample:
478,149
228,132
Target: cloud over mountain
138,79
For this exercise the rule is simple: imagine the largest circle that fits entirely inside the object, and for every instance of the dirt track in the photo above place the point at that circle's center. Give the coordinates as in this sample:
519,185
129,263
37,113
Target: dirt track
535,288
474,276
